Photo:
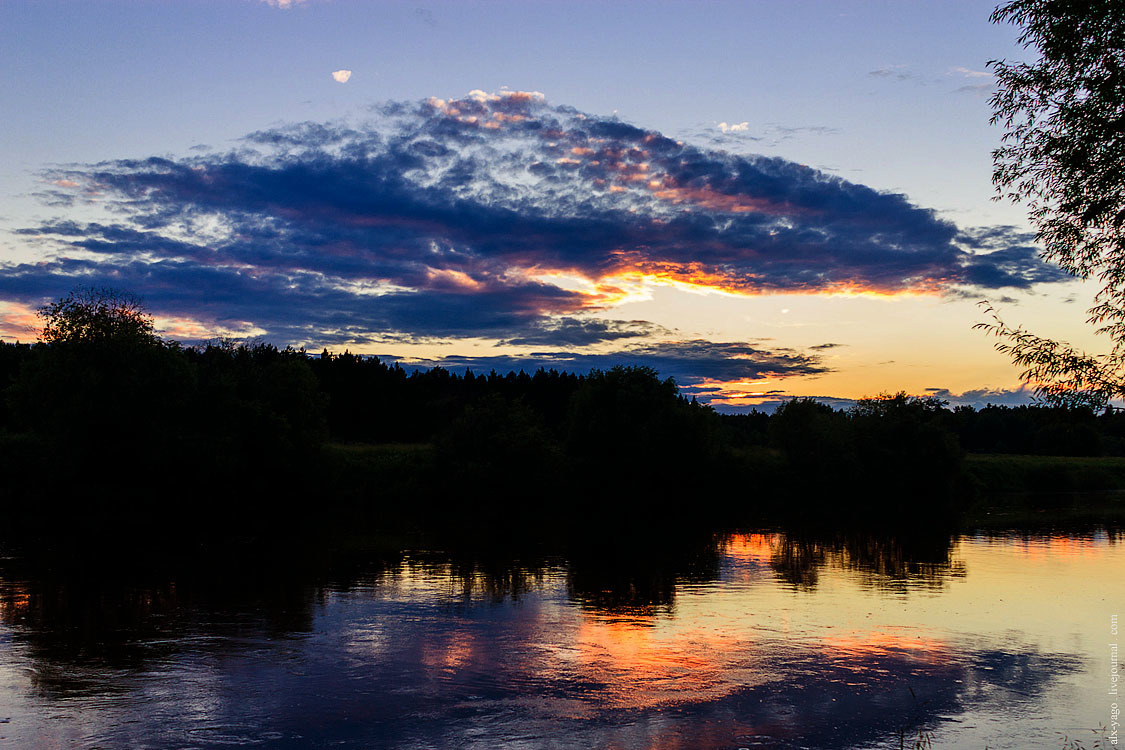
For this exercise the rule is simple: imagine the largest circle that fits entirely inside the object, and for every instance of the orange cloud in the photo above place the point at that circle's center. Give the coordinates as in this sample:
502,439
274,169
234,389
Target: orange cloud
712,200
192,329
18,322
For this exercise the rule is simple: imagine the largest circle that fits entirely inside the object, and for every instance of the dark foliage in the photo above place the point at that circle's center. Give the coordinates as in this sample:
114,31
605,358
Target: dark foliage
906,452
1063,155
111,427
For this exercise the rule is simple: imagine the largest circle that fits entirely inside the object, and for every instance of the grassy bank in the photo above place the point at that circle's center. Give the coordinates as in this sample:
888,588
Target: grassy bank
391,481
1027,491
997,474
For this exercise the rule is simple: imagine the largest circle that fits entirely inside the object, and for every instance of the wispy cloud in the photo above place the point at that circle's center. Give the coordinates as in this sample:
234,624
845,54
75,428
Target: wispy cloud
738,136
494,215
896,72
284,4
579,332
980,89
791,130
732,399
691,362
970,73
982,397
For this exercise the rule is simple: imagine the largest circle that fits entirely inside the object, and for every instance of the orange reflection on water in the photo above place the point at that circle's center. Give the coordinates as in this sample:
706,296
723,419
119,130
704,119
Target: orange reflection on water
450,653
644,666
861,647
1040,549
14,602
757,548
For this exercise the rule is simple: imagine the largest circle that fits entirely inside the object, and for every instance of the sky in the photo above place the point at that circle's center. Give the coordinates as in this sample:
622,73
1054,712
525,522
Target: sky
762,199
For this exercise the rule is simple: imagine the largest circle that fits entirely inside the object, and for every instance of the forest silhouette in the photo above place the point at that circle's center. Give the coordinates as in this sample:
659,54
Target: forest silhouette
106,428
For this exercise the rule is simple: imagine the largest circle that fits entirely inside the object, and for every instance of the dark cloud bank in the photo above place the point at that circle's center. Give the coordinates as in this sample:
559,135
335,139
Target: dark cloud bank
456,218
687,361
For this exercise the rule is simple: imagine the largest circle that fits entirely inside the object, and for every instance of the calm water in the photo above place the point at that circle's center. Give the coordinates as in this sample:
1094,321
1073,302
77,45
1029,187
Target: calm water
748,640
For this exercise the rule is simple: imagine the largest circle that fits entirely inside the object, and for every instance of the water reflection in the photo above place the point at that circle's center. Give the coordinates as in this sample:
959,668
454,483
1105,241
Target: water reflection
735,640
889,562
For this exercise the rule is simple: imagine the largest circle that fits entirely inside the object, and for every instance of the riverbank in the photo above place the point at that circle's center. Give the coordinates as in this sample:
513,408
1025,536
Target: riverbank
411,488
995,489
1044,491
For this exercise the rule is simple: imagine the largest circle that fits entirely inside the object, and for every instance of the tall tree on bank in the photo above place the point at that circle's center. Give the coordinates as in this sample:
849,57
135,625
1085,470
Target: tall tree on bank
1063,156
101,380
96,315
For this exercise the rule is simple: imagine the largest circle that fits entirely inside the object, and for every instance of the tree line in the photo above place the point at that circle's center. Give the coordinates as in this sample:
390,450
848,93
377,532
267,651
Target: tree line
104,420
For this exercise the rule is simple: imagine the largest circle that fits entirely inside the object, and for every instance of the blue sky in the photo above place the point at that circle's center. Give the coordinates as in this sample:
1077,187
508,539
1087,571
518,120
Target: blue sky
390,223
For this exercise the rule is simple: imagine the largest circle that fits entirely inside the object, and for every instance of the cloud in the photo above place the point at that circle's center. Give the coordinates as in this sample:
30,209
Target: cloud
284,4
494,215
788,131
898,72
969,73
691,362
729,401
985,81
976,88
737,137
341,76
982,397
1006,257
582,332
732,400
18,322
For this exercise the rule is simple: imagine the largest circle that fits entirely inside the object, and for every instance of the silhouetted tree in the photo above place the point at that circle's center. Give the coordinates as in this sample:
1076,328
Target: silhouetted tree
257,406
101,380
1063,154
905,450
90,315
628,427
816,440
106,399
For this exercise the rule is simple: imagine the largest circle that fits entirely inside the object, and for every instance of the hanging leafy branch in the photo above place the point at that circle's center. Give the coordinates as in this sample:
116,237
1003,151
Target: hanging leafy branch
1061,374
1063,156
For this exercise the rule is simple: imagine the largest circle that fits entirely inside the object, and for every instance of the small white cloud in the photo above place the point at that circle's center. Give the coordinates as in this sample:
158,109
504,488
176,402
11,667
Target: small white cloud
341,76
969,73
283,4
739,127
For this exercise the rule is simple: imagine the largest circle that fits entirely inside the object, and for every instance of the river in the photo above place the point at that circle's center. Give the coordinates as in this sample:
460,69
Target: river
752,639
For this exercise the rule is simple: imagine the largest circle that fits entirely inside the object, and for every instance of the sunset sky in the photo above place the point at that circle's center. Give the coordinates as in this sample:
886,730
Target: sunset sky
760,198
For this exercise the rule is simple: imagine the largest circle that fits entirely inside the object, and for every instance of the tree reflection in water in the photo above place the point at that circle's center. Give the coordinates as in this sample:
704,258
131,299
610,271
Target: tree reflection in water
609,644
886,561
